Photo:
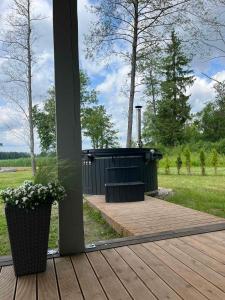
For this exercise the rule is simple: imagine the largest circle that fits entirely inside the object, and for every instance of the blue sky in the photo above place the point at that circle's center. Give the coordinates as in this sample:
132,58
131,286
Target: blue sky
108,80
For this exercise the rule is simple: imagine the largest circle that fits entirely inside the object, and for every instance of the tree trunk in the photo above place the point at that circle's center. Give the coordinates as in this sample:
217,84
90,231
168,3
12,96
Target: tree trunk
153,92
133,76
30,100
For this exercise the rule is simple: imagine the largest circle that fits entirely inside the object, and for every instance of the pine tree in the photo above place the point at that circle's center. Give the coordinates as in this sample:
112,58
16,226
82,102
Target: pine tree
173,108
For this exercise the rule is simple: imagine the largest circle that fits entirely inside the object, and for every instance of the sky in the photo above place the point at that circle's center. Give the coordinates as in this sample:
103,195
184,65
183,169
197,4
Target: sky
107,77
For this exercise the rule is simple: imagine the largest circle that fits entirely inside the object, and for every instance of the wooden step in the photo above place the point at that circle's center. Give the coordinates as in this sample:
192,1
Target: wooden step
124,191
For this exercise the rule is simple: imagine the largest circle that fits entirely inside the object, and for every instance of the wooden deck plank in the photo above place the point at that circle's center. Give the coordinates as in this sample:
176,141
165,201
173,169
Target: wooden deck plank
210,242
158,287
107,277
47,283
212,252
131,281
67,281
200,256
177,268
7,283
200,268
205,287
89,283
150,216
217,237
176,282
26,288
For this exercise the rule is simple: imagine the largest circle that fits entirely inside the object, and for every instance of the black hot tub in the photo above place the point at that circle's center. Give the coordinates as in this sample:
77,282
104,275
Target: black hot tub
141,162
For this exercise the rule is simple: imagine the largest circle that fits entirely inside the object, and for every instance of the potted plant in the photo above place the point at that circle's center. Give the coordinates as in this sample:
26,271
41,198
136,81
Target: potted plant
28,213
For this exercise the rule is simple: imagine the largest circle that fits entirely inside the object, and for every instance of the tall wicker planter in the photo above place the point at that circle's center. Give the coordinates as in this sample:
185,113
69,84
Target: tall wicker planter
28,234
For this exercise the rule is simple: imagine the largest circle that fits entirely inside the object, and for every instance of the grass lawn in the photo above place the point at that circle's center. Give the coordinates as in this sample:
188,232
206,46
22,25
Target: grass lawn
95,227
204,193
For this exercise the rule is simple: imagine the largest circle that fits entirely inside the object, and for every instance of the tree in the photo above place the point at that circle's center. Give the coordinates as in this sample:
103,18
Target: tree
150,69
211,33
202,161
96,125
187,154
127,27
179,164
17,50
212,117
215,160
173,108
44,119
167,165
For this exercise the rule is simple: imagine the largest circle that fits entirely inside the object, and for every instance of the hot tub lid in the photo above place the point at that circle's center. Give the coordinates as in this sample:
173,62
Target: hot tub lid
148,153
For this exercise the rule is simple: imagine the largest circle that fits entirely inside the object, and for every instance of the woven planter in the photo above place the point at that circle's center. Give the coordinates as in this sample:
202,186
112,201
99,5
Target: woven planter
28,234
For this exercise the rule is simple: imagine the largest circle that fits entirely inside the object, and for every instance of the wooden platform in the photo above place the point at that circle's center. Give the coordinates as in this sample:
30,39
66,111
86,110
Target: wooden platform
185,268
150,216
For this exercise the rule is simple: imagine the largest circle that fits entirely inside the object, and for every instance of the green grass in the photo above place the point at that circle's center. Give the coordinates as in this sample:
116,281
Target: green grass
95,227
203,193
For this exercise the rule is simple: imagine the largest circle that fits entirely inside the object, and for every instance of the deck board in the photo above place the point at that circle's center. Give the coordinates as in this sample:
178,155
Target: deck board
179,268
150,216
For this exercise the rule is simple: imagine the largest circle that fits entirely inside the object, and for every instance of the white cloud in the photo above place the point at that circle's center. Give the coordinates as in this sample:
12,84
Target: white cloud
201,92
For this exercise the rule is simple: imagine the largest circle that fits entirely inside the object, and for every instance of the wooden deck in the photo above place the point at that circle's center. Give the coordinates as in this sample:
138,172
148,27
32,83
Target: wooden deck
184,268
150,216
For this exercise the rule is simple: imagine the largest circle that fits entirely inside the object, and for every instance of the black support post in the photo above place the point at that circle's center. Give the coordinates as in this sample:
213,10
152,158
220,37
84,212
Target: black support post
67,84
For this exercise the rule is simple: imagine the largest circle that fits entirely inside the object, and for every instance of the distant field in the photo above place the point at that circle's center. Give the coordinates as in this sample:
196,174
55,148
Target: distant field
19,162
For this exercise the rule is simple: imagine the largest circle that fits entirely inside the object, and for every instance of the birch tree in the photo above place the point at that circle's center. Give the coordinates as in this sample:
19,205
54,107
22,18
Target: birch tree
17,50
127,27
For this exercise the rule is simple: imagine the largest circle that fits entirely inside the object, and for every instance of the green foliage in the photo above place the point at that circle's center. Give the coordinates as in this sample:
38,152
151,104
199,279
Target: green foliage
173,109
149,125
47,171
179,164
167,165
212,117
96,125
44,119
202,161
215,159
187,154
13,155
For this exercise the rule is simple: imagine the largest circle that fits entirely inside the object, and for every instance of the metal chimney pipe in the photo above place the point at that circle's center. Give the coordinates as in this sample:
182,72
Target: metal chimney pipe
139,107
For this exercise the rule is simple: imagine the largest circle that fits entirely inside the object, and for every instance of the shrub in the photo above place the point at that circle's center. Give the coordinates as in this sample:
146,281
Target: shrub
179,164
187,154
215,160
167,165
202,161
